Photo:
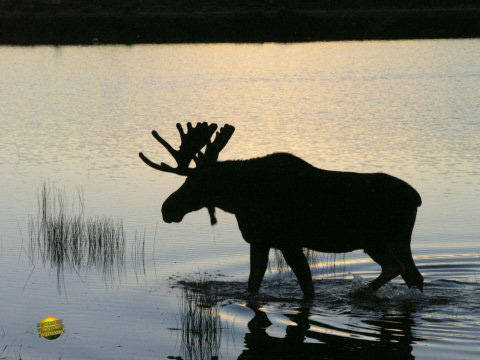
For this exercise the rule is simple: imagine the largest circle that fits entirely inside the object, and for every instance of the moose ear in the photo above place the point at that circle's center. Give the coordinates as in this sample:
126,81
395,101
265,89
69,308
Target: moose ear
211,212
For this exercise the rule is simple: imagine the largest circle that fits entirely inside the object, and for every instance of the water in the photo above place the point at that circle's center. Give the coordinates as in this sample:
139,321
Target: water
76,118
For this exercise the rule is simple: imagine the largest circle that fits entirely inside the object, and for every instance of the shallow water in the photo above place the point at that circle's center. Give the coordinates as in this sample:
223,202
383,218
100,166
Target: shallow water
76,117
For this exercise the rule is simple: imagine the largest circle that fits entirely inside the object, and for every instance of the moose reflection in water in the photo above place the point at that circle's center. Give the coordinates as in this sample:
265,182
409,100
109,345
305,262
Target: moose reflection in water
389,332
282,202
393,339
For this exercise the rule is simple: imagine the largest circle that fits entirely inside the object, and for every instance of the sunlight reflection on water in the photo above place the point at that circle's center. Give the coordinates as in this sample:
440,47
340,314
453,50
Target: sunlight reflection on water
78,116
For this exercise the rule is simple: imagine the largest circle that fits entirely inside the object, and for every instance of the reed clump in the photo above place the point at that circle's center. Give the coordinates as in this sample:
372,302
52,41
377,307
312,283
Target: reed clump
61,235
138,255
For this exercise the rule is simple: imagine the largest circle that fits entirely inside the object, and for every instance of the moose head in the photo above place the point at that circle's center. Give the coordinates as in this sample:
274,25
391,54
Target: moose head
194,193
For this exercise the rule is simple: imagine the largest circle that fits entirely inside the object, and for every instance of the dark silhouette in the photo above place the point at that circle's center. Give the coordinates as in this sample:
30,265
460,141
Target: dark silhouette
283,202
186,21
393,341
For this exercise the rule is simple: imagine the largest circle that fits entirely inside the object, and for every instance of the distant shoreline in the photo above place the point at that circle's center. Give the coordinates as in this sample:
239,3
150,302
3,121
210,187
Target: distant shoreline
238,26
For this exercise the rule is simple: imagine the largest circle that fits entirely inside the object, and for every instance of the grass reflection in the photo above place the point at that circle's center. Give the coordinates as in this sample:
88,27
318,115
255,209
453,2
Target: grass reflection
201,326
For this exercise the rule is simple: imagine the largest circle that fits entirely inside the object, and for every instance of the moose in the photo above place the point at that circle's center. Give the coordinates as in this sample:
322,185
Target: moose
281,201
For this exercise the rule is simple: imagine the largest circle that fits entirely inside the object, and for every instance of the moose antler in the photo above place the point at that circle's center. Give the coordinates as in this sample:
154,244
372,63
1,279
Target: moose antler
213,148
211,155
191,143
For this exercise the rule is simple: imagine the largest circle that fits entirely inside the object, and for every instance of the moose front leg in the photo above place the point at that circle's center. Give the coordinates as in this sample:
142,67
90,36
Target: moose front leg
296,259
258,266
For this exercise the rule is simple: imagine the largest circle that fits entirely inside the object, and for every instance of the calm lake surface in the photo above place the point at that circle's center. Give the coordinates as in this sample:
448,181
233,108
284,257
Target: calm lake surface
75,118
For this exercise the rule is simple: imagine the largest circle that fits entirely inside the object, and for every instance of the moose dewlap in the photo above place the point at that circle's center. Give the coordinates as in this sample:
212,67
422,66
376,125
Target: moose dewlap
281,201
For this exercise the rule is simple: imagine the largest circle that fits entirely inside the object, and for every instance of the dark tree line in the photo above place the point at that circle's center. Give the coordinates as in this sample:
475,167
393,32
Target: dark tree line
212,5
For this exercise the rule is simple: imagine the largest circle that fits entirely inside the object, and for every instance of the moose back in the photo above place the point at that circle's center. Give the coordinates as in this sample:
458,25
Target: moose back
281,201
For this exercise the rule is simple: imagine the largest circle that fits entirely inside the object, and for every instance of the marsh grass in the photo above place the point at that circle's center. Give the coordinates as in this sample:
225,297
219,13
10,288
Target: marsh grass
201,326
62,236
106,245
138,255
327,264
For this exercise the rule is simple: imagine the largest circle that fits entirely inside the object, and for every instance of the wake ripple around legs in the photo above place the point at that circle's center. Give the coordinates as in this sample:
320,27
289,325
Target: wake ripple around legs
345,322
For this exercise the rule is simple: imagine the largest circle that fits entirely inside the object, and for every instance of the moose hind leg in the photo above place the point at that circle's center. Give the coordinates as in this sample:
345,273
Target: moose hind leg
410,273
296,259
391,268
402,249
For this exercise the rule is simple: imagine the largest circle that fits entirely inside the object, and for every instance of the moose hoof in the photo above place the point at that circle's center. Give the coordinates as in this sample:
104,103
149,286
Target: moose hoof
253,298
363,292
309,296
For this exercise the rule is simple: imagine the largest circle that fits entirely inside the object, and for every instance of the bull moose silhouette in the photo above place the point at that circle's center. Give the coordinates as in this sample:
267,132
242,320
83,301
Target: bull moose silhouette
281,201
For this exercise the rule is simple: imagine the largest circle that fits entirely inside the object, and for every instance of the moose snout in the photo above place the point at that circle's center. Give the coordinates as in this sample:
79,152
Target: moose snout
170,215
169,218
